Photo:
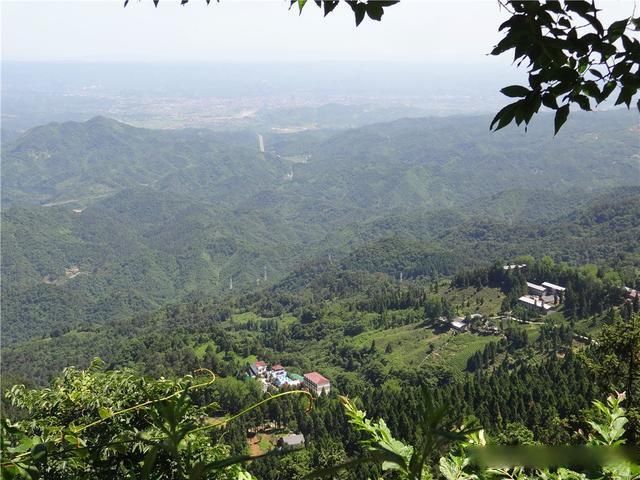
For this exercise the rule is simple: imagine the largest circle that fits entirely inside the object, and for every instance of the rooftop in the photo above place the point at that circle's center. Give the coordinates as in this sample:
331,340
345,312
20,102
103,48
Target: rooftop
293,439
316,378
513,267
553,286
535,302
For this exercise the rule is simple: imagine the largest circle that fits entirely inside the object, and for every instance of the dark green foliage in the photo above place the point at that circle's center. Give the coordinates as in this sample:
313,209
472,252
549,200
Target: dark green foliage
102,424
371,199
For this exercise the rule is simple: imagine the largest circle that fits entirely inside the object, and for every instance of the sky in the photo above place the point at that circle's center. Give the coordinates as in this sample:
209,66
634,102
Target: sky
450,31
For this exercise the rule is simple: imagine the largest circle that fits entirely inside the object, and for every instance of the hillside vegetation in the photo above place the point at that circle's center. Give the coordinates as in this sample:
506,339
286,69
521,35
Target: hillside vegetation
131,218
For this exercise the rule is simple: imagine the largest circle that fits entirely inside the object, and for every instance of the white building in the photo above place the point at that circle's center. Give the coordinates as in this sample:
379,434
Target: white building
534,303
258,369
553,288
459,325
293,440
316,383
537,290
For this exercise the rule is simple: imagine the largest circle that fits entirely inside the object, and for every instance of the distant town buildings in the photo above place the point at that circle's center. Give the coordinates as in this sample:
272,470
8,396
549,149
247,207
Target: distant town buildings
534,303
459,325
258,369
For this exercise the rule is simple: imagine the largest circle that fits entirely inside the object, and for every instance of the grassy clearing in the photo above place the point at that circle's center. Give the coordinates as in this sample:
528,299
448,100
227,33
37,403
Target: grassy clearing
457,351
409,343
403,347
200,350
486,301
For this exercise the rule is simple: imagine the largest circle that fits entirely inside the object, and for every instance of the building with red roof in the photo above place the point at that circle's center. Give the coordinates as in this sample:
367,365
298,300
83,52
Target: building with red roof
316,383
258,368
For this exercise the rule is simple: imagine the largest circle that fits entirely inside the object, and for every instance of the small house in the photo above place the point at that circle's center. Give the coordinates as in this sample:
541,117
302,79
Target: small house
258,369
459,325
278,371
293,440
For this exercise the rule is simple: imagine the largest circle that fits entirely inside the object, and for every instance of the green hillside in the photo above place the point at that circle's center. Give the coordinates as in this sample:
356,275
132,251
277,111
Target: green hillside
157,216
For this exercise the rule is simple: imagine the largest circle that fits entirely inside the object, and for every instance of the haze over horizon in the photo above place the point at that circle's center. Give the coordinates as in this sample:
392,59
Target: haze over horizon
99,31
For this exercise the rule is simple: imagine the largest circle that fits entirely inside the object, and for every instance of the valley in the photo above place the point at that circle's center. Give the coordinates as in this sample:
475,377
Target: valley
347,240
373,256
190,234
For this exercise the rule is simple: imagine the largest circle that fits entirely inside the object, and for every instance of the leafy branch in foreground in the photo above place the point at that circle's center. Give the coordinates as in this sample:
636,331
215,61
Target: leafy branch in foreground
410,462
572,58
463,460
117,424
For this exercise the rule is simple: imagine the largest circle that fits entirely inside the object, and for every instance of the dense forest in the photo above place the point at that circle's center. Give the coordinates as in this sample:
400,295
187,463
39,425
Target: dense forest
143,272
132,218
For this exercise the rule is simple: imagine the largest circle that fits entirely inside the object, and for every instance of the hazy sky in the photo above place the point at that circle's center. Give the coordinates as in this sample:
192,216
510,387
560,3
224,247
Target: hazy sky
241,30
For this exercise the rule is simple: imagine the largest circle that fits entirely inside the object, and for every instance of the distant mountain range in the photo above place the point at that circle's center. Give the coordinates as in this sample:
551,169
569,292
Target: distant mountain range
102,220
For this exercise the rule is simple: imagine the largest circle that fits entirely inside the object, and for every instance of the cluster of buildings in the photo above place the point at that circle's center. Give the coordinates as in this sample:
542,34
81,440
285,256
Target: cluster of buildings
542,298
475,322
276,376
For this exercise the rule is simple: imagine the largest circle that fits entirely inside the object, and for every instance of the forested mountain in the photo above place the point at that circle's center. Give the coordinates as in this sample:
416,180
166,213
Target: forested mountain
67,161
140,217
408,163
350,252
131,252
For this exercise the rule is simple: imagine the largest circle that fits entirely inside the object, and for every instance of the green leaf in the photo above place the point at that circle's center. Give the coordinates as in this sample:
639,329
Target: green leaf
149,462
74,428
374,10
197,471
515,91
616,29
561,117
625,96
591,89
583,101
595,23
105,412
39,451
359,13
504,117
583,63
549,101
328,6
607,89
